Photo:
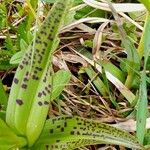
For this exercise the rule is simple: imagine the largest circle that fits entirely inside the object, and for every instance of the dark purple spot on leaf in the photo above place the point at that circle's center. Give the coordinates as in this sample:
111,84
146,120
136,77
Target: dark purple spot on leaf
39,94
65,124
23,62
38,68
50,38
39,61
35,71
16,80
24,86
19,102
40,103
45,44
42,52
37,50
43,92
20,66
51,131
47,147
34,77
25,79
44,80
46,103
62,129
72,132
27,73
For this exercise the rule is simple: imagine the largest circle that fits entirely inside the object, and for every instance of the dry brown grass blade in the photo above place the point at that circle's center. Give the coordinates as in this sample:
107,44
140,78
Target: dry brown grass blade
120,9
130,125
97,41
87,20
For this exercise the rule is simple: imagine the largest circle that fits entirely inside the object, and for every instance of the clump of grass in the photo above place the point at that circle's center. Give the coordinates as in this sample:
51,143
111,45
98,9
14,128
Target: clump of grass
102,48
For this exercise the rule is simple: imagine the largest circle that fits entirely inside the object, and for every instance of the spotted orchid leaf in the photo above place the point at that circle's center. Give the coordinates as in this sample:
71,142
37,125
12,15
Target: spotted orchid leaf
30,93
8,139
66,133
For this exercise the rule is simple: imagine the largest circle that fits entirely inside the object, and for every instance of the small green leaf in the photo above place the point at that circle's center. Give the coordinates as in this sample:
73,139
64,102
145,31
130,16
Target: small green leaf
23,45
60,79
16,58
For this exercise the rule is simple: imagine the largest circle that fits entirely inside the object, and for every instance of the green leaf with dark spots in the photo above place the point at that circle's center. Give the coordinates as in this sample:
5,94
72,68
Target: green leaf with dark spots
67,133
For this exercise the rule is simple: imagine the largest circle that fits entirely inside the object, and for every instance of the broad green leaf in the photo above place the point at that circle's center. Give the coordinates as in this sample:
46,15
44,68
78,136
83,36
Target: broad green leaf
58,82
31,89
66,133
8,139
17,57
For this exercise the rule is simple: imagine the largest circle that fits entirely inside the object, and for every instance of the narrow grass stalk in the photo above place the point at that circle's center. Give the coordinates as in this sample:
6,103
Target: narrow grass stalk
146,4
143,103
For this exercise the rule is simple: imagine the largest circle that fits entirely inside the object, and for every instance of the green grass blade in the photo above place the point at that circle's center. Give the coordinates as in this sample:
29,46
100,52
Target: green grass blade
119,85
142,109
132,54
3,96
67,132
143,104
146,3
133,61
108,65
111,96
96,81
